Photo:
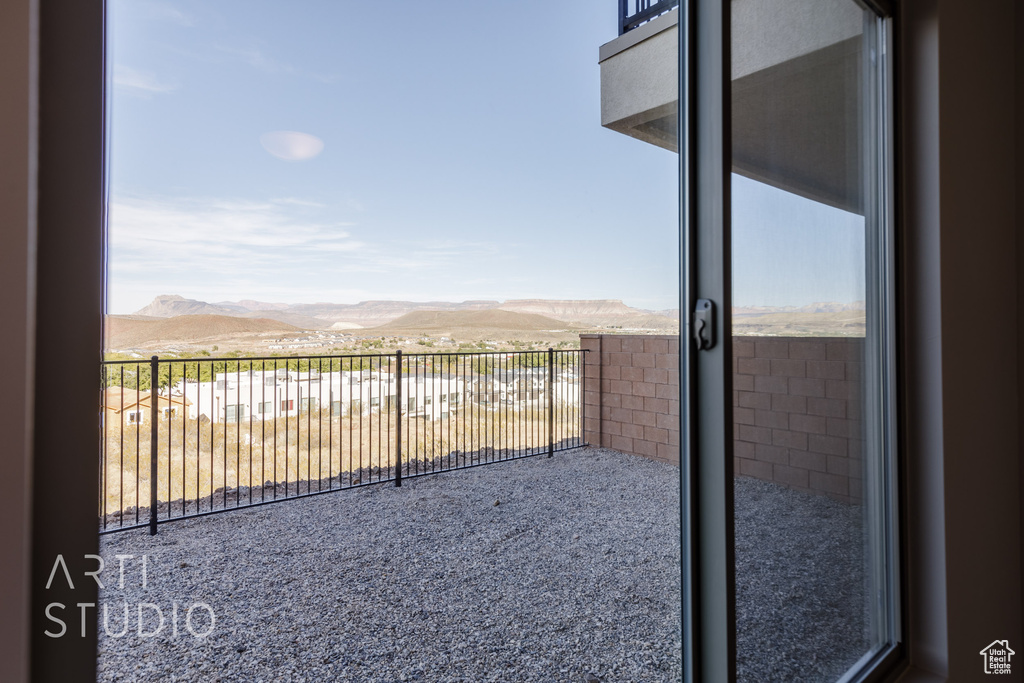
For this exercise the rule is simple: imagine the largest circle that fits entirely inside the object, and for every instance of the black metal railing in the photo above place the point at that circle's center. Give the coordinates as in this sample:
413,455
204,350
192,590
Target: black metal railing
632,13
188,437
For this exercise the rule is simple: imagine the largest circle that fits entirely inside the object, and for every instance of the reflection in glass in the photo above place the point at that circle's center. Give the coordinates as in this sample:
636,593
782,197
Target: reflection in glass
807,287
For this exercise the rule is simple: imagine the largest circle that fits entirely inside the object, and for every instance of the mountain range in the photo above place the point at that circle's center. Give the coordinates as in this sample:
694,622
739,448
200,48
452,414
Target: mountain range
593,312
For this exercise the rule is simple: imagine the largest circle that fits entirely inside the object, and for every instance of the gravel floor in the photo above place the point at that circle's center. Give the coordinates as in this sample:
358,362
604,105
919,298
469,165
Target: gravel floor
800,585
533,570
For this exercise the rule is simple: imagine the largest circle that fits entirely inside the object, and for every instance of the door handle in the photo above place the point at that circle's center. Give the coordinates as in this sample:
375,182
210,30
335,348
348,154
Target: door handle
704,324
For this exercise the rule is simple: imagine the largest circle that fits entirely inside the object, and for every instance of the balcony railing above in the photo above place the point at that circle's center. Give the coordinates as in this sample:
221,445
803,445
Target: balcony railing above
632,13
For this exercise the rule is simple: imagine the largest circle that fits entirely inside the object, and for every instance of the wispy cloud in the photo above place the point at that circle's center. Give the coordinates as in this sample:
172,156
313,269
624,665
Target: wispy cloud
291,146
284,248
257,59
140,82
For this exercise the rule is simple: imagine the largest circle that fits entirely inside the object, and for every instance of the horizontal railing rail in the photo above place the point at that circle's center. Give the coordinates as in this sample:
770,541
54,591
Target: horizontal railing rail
632,13
183,438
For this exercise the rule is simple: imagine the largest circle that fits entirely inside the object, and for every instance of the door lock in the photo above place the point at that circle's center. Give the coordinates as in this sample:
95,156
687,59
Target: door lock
704,324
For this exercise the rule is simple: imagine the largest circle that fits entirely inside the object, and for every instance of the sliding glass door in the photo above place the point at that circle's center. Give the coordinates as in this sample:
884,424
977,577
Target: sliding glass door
791,475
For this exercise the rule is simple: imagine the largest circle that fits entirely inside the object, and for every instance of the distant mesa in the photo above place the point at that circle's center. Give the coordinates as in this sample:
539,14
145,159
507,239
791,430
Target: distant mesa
324,316
450,322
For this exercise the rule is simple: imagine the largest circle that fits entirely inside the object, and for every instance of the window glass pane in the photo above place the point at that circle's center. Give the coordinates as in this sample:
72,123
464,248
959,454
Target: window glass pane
808,298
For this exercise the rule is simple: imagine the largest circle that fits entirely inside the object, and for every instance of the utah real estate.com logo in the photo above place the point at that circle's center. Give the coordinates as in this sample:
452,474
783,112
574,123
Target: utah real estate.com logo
997,657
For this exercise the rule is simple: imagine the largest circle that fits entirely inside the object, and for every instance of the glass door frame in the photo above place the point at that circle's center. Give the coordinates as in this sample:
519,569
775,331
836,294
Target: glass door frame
706,414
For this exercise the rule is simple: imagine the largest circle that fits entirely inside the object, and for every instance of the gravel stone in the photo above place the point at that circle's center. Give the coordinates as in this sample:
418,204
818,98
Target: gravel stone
532,570
541,569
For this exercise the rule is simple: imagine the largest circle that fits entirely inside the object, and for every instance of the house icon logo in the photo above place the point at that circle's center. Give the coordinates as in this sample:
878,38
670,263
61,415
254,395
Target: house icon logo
997,657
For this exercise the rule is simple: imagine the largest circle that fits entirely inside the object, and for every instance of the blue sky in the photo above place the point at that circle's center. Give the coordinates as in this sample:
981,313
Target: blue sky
445,151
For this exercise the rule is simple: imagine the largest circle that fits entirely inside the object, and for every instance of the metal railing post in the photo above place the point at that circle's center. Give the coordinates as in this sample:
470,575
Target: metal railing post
398,421
551,402
154,412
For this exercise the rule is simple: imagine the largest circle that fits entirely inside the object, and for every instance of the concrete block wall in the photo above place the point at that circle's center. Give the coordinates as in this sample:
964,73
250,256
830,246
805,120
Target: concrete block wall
631,394
796,403
797,412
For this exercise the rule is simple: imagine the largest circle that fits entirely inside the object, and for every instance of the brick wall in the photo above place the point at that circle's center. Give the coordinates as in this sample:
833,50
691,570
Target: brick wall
796,412
796,406
632,394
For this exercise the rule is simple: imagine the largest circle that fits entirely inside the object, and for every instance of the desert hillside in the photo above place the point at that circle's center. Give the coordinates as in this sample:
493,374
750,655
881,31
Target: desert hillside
438,322
129,332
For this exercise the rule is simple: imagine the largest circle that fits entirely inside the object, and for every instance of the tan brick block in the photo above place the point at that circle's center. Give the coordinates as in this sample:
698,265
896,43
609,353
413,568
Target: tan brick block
606,386
812,424
673,407
606,358
622,443
854,410
753,366
644,418
611,372
622,359
799,386
761,435
622,415
611,400
619,386
788,439
673,378
770,418
830,483
611,344
592,398
789,404
852,349
842,389
758,470
772,385
743,449
591,424
771,348
826,407
826,369
743,382
645,448
643,389
632,402
669,361
669,453
856,489
766,453
667,421
655,405
673,345
790,476
656,375
743,416
846,429
815,462
742,348
592,384
643,360
752,399
611,428
655,345
633,431
631,374
673,437
666,391
829,445
783,367
656,434
633,344
807,350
